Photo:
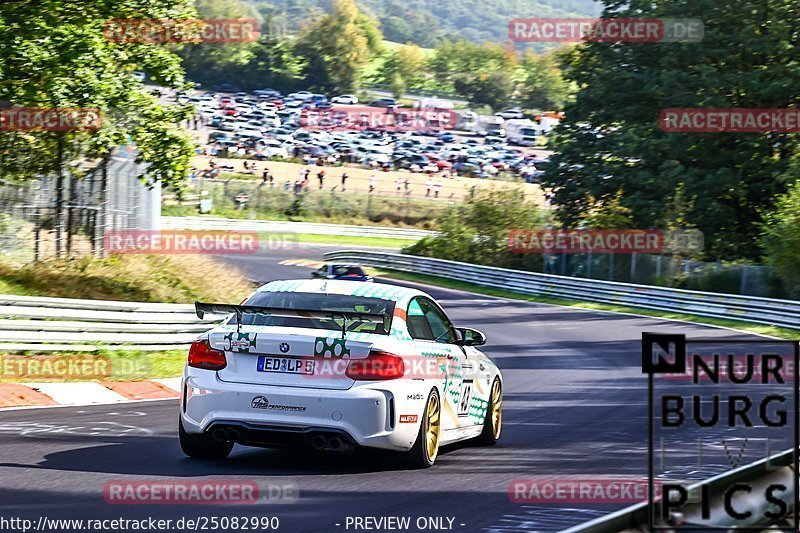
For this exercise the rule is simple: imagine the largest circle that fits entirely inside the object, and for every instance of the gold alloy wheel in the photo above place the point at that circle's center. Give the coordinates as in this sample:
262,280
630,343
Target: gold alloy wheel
432,427
497,412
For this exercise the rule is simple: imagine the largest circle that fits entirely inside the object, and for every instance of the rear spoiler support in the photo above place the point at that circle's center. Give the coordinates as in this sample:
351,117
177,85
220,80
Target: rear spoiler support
239,310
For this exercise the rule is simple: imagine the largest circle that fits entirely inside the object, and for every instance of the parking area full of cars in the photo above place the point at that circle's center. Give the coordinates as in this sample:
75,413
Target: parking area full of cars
265,124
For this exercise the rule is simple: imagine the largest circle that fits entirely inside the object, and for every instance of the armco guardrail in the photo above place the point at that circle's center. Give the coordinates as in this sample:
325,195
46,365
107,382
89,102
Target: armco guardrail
758,475
271,226
66,324
785,313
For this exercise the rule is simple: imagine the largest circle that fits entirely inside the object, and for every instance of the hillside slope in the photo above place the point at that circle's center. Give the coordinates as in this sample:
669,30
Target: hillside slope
426,22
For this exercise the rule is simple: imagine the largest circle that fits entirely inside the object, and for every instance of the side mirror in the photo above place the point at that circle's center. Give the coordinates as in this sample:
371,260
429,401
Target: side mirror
471,337
316,274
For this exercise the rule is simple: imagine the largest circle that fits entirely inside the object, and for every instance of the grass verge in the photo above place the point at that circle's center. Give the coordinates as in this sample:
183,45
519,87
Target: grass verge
761,329
345,240
138,278
102,365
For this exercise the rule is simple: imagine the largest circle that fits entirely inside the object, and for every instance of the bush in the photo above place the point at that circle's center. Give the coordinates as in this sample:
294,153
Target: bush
781,239
477,231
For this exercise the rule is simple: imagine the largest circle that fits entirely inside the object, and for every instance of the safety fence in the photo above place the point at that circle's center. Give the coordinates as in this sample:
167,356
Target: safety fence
785,313
65,324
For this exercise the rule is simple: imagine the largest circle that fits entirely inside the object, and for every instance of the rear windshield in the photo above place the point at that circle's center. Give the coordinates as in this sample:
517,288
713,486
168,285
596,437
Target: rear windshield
320,302
343,270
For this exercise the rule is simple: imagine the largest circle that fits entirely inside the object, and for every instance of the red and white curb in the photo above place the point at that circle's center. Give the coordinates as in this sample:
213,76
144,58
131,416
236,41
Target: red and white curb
86,393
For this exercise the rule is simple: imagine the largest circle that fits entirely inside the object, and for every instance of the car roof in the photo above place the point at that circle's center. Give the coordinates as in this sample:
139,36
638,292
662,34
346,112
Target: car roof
383,291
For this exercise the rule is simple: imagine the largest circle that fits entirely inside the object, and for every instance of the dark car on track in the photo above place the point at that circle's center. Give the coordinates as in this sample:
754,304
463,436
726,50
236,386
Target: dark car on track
347,272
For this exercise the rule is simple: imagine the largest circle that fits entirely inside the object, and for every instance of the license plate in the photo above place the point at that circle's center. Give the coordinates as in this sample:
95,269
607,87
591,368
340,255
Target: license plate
285,365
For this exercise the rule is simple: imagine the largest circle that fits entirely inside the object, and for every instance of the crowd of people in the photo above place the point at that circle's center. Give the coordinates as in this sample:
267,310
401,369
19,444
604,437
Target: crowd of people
302,184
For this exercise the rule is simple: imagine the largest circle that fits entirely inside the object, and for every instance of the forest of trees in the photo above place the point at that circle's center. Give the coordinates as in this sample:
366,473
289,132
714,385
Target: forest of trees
337,50
431,22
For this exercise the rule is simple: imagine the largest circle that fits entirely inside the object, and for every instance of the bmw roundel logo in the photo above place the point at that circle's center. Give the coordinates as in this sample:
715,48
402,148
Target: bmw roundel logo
284,347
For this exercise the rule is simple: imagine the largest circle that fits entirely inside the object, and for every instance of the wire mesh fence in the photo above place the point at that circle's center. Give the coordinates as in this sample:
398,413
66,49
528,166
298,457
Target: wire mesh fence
259,199
40,219
665,270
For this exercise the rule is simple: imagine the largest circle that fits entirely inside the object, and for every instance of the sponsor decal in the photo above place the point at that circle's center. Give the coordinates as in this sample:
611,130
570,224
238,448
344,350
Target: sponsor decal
415,397
329,347
240,342
261,402
408,419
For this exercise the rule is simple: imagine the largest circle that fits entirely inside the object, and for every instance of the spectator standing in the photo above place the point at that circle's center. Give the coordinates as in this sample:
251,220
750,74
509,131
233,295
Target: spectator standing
428,186
321,178
371,184
344,179
398,184
436,188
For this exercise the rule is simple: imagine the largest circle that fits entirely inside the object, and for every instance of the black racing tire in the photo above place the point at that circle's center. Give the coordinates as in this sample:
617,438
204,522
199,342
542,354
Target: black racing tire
493,423
426,447
202,446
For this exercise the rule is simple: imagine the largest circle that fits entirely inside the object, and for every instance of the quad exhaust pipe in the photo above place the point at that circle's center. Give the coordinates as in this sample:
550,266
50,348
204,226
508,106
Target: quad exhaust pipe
225,434
321,441
334,443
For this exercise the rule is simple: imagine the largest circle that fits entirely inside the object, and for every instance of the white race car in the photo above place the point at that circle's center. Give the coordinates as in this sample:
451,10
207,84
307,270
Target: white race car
336,365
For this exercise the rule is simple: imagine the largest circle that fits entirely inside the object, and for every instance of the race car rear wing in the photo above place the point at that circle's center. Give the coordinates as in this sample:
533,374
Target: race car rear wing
240,310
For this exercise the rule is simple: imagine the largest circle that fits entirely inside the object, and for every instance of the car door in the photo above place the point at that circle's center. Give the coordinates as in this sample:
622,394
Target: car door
429,324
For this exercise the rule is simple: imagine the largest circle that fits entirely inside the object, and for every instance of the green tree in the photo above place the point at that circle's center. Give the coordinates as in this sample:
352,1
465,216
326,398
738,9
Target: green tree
56,55
220,62
781,238
453,60
612,142
493,89
477,231
407,62
337,46
542,86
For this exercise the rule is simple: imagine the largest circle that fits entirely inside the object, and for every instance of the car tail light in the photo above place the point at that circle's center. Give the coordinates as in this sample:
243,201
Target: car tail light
202,355
378,365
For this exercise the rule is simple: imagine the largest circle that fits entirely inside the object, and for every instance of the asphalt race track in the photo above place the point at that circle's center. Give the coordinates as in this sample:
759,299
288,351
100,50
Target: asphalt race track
575,404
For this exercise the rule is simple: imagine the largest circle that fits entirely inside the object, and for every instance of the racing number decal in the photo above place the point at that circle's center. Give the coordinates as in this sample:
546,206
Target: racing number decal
465,397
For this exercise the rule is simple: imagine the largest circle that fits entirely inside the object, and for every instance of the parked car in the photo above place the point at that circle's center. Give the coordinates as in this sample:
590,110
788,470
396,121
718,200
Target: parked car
345,99
511,114
384,102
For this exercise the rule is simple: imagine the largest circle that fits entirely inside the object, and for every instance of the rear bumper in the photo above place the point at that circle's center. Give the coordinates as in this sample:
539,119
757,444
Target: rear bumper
367,414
